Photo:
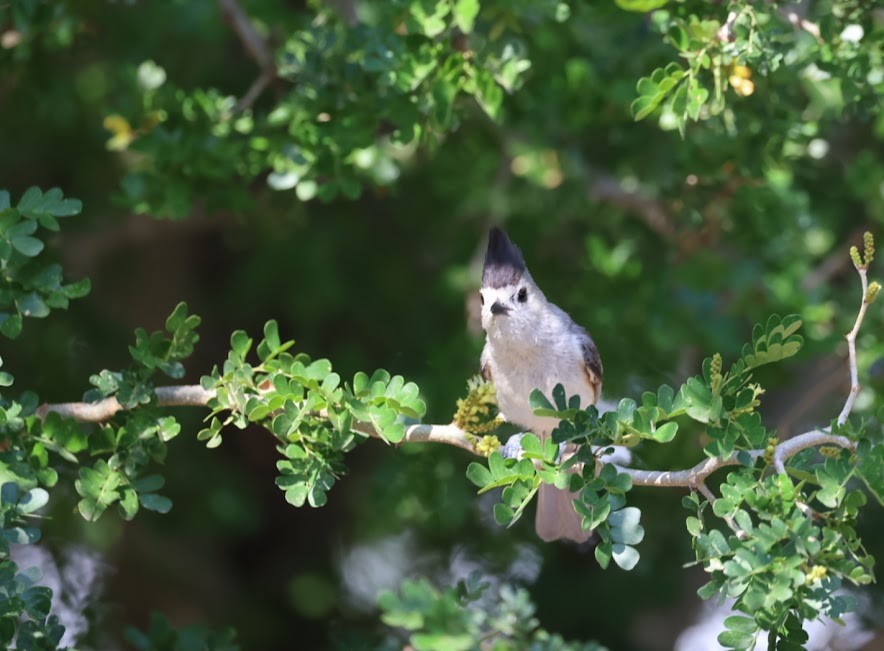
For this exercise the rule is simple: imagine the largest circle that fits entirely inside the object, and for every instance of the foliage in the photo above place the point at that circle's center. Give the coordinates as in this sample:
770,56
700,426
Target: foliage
25,609
721,56
162,636
471,616
32,289
304,405
356,98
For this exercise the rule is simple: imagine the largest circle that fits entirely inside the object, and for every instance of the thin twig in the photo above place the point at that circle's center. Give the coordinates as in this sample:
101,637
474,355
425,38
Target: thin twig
255,90
851,348
252,41
257,48
792,446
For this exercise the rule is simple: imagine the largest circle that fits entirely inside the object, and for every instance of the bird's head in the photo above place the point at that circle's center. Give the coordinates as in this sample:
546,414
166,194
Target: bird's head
512,303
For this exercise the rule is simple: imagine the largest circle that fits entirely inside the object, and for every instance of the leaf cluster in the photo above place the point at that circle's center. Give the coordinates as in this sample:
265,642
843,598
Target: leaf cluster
470,616
32,287
314,418
157,351
138,438
723,51
25,605
793,547
162,636
355,98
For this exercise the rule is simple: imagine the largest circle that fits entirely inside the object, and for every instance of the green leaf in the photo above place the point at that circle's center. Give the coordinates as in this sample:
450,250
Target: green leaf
603,553
240,343
625,527
38,602
27,245
625,556
774,342
488,94
149,483
625,409
32,197
536,400
77,289
297,494
643,106
32,305
736,640
666,432
154,502
479,474
503,514
642,6
870,468
35,203
531,445
34,499
129,504
699,402
11,325
740,623
465,12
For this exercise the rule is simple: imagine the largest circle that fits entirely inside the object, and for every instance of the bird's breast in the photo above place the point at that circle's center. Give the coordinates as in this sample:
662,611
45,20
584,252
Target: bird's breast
516,373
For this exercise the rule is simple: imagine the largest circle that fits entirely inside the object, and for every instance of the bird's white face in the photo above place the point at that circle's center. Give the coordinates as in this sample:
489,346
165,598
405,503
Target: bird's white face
512,310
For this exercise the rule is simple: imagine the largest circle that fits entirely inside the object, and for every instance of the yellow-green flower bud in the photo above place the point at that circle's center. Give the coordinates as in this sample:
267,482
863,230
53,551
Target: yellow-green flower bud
854,255
868,248
486,445
817,573
715,372
872,292
477,412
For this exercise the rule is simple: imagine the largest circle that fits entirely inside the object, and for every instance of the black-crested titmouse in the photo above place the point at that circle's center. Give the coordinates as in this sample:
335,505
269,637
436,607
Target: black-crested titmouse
533,344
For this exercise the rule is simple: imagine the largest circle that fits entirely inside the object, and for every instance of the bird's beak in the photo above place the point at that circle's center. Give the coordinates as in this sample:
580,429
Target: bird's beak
499,308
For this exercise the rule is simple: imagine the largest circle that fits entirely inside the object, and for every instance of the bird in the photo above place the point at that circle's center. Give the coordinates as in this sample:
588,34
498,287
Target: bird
531,343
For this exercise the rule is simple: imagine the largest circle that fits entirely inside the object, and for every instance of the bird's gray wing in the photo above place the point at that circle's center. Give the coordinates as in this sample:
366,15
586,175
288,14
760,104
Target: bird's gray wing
485,364
592,363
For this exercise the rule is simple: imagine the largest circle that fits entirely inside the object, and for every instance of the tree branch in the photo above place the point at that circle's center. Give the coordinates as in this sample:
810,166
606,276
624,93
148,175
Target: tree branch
608,188
196,396
693,478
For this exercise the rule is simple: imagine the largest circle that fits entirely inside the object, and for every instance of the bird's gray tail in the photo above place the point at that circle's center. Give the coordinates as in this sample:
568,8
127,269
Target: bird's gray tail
556,517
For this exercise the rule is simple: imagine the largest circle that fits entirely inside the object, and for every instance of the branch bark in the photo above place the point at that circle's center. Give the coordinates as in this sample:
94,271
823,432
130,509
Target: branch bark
191,395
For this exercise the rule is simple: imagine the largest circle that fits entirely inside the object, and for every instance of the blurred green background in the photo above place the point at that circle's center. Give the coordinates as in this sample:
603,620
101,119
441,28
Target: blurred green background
667,248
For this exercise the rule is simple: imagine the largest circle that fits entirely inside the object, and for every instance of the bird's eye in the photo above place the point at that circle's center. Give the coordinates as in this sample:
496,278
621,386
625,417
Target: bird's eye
523,295
481,298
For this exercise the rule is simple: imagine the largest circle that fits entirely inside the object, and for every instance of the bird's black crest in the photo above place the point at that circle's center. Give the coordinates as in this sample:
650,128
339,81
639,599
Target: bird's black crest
504,264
